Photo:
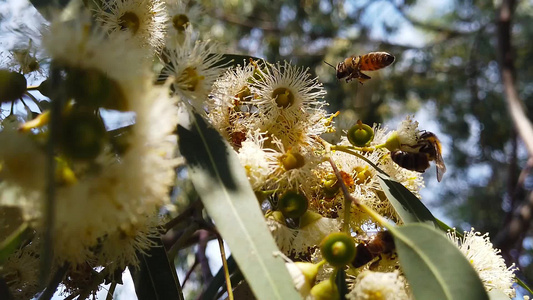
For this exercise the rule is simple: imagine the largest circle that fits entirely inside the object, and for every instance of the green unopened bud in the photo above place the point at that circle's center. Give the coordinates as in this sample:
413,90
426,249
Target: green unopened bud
308,218
278,217
292,161
309,270
338,249
325,290
94,89
83,135
293,205
393,143
360,135
12,85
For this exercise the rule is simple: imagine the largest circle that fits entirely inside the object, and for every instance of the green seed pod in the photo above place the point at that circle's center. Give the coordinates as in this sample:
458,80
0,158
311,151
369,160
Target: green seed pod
12,85
93,89
360,135
338,249
83,135
325,290
293,205
292,161
393,143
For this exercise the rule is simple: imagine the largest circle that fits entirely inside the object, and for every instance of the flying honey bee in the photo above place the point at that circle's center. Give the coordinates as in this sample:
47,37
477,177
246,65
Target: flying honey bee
352,66
380,244
427,149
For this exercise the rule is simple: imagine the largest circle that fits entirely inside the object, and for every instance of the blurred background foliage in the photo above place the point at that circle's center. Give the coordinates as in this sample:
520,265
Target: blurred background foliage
446,72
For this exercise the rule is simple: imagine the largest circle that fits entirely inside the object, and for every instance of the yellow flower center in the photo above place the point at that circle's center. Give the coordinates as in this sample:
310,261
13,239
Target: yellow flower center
292,161
191,78
129,21
180,22
243,95
376,295
284,97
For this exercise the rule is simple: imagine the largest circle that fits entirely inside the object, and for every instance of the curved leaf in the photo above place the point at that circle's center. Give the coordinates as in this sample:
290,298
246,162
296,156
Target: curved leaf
156,279
434,266
222,184
408,206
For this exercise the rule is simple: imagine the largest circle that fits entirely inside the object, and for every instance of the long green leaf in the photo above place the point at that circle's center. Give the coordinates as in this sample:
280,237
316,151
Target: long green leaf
156,279
230,201
408,206
434,266
14,241
523,284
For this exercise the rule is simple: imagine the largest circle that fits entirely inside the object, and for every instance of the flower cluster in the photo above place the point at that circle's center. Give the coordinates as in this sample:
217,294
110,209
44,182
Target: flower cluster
319,199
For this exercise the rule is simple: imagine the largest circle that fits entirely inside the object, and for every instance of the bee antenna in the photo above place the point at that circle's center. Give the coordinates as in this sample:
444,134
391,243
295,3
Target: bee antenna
330,65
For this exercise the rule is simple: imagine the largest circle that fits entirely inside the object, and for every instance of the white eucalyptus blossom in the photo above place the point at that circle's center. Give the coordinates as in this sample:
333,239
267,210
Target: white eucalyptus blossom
486,260
144,21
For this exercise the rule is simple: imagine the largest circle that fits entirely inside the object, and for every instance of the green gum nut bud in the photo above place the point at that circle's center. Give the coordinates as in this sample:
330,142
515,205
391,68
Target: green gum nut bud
338,249
360,135
393,143
325,290
279,217
83,135
309,270
308,218
94,89
292,204
12,85
292,161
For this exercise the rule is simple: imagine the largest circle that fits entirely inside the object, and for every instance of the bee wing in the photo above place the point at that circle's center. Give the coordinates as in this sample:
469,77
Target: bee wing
441,168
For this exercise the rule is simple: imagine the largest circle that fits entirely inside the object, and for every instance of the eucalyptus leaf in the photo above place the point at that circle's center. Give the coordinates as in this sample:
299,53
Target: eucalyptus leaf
156,279
14,241
434,266
227,196
523,284
45,6
408,206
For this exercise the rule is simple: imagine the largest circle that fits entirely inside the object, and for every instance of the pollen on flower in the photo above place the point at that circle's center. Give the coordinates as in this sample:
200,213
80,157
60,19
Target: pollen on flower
408,132
181,15
143,20
379,286
486,260
193,65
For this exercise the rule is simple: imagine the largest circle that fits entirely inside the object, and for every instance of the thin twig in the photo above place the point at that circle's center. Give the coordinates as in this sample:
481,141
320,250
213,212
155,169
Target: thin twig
111,291
348,199
54,282
194,265
225,265
50,204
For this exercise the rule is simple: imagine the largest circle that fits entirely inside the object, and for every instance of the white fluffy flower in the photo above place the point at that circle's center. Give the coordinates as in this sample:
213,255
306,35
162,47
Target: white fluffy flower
142,20
379,286
289,103
181,14
193,65
486,260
